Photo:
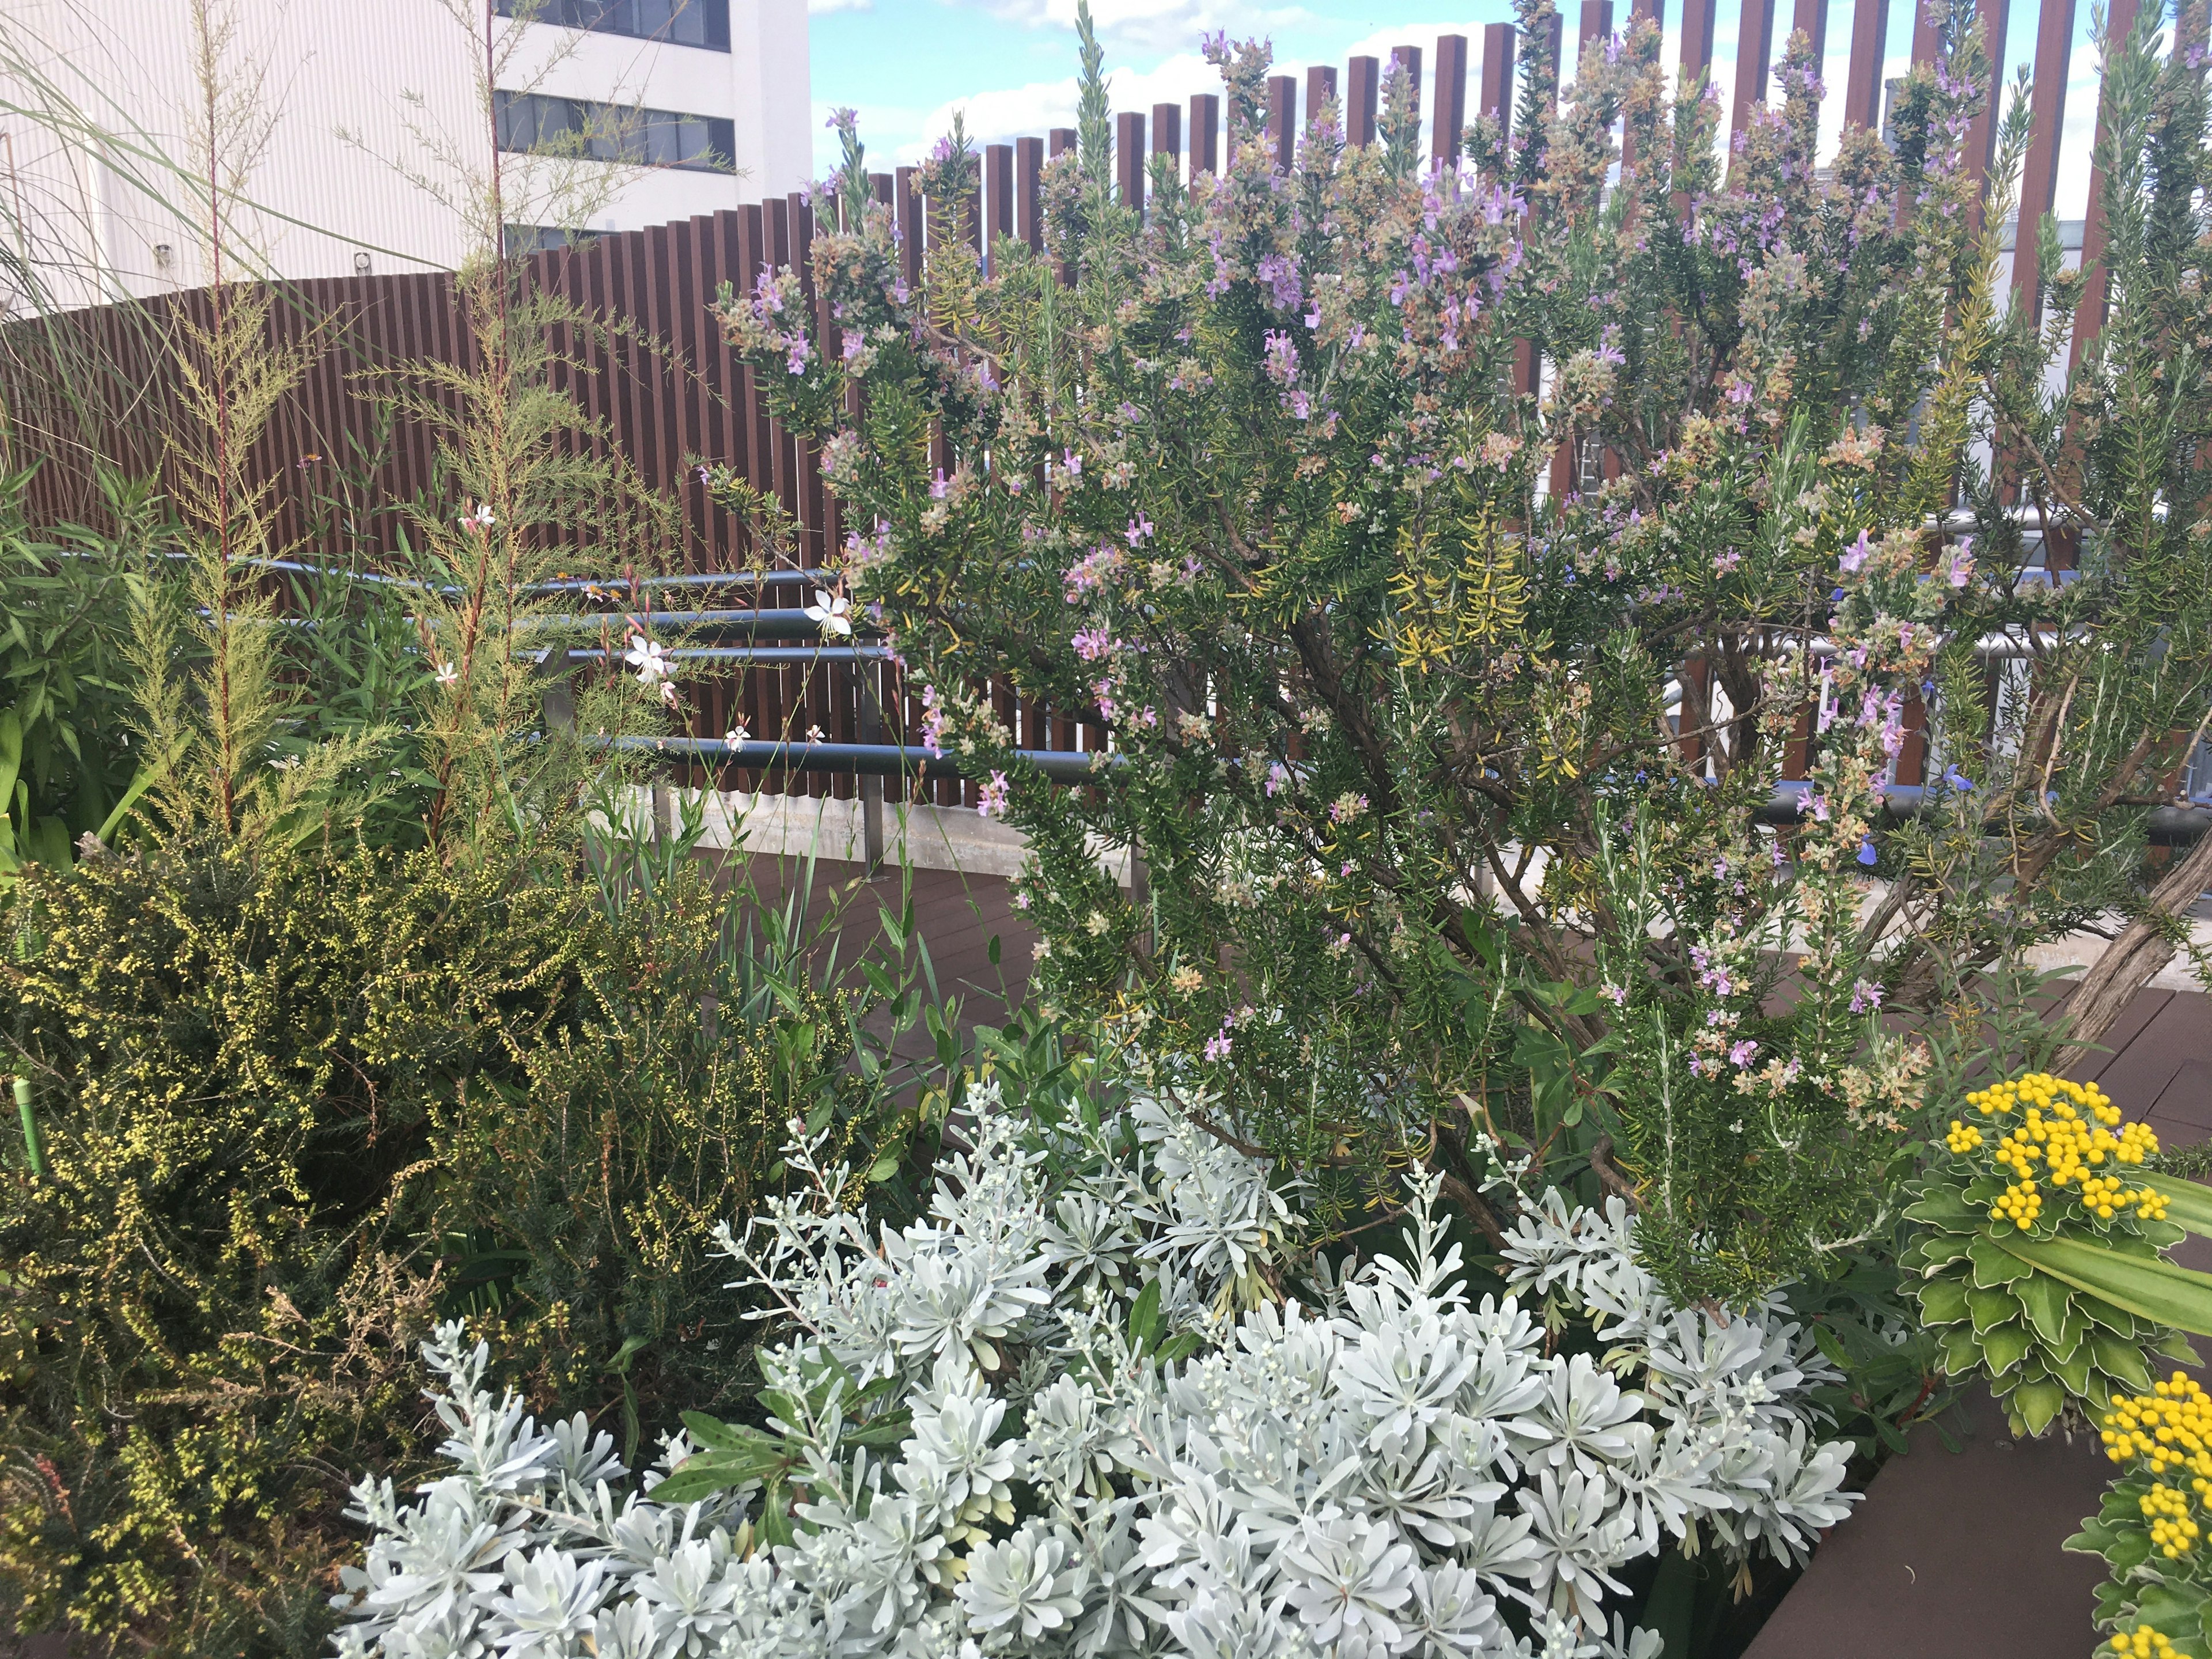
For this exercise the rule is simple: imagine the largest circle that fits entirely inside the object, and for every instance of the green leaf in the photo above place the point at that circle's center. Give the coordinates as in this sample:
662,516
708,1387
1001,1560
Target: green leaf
1944,1207
2152,1288
1991,1309
1144,1316
1962,1354
2038,1403
890,1430
2004,1348
113,821
715,1435
2073,1371
1993,1265
2044,1297
2121,1360
1942,1302
2188,1203
1936,1251
2174,1345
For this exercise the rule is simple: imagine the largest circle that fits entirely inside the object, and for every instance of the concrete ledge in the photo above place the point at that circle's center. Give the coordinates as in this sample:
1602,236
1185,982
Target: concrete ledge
915,834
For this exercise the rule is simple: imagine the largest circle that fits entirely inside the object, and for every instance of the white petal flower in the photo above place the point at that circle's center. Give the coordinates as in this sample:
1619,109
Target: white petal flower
833,611
649,658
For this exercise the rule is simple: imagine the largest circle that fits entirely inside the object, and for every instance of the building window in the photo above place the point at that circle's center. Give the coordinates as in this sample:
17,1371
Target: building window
522,240
529,122
704,23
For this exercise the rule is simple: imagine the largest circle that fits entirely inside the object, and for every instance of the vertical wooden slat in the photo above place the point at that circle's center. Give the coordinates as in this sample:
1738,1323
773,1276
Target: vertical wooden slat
656,360
998,197
1205,133
1697,61
1810,18
1283,119
2089,315
697,346
1321,91
1059,140
2039,178
1596,24
775,252
630,406
416,305
1494,92
801,213
1408,58
1862,84
1982,136
1754,51
589,292
1927,35
1167,134
1362,84
726,425
907,208
1029,170
1129,160
1448,113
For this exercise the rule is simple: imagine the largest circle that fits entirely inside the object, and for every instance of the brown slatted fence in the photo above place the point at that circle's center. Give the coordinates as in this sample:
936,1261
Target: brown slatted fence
658,386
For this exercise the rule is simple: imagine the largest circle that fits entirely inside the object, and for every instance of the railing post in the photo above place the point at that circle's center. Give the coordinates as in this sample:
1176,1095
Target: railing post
869,677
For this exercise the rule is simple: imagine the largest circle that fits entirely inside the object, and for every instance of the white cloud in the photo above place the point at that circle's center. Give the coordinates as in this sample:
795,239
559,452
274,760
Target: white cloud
822,8
1154,25
998,116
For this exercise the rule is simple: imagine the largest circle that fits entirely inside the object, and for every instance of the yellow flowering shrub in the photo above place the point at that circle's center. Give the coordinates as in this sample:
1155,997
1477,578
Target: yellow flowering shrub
2034,1169
297,1107
2151,1530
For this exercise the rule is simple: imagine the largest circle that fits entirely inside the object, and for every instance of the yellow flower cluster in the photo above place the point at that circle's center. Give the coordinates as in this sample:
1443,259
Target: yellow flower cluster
2169,1428
2142,1643
2174,1532
2066,1128
2019,1204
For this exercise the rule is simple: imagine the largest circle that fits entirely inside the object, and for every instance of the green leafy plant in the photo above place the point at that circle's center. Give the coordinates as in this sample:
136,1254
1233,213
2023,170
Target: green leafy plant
2041,1258
1448,765
2151,1527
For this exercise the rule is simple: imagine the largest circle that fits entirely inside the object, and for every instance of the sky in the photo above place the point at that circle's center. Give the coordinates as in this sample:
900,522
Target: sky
906,65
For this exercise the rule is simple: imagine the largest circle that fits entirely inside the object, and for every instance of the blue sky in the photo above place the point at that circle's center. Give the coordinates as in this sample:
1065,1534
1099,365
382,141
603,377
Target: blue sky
906,64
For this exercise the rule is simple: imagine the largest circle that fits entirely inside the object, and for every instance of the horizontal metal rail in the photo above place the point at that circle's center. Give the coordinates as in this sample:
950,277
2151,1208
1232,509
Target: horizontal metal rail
2164,826
885,760
760,656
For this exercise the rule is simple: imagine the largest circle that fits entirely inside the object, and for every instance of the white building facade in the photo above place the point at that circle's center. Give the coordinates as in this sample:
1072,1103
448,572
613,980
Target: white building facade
374,134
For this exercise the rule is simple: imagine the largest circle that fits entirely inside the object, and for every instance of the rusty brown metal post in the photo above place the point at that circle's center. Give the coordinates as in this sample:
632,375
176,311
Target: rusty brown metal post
1363,79
1447,113
2038,176
1129,160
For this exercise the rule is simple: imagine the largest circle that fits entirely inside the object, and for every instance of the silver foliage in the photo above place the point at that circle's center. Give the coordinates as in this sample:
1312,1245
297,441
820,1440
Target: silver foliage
1381,1471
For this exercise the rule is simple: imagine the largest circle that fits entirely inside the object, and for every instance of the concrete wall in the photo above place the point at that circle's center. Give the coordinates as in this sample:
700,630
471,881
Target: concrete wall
372,130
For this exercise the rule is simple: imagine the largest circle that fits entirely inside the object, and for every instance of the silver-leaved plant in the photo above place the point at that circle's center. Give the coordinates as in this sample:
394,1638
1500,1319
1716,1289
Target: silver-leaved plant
1098,1403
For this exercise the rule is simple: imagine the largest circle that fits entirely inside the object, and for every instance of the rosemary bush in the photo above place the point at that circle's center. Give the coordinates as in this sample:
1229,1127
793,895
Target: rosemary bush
1458,797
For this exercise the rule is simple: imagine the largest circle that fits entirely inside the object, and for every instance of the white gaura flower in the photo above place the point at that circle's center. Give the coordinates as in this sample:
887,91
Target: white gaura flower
649,658
833,611
480,520
447,673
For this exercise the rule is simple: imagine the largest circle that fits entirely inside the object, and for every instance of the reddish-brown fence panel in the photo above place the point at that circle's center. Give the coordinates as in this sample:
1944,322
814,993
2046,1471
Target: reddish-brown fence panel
352,457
